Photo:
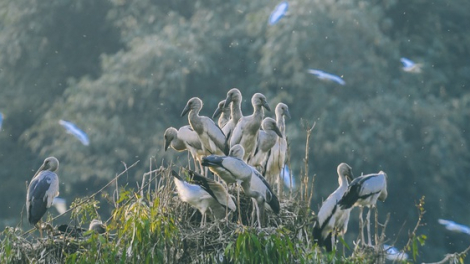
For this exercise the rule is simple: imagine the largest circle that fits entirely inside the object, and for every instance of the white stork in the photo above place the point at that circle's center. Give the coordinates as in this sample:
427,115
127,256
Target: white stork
331,219
365,191
204,193
233,169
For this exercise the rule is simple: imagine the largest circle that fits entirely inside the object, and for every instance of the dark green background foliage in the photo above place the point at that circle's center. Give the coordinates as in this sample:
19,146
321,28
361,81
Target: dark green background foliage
124,71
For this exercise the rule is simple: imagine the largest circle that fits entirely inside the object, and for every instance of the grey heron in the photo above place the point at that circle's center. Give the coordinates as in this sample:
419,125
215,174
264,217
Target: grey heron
331,219
277,156
246,131
234,101
42,189
212,138
267,138
223,112
185,138
203,194
365,191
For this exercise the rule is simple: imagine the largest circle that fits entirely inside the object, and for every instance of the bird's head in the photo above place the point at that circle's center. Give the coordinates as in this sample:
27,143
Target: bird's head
193,104
346,171
270,124
170,134
233,95
282,110
259,99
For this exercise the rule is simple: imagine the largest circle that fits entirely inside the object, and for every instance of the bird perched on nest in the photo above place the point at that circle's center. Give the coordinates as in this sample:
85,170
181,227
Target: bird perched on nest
365,191
97,226
232,169
185,138
246,131
331,219
212,138
277,155
223,112
41,191
233,101
267,138
204,193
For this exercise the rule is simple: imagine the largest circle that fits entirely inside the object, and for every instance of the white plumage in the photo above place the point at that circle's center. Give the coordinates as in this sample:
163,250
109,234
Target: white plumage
331,219
365,191
203,194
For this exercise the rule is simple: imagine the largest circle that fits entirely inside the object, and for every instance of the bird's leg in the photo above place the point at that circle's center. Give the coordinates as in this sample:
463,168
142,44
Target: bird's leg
376,237
253,211
238,204
260,210
368,228
361,225
189,162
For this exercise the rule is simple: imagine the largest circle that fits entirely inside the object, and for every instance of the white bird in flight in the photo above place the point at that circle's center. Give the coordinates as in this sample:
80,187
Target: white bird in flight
75,131
326,76
454,227
278,12
410,66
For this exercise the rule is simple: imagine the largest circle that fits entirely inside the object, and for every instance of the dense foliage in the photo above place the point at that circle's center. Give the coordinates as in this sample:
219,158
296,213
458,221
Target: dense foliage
123,71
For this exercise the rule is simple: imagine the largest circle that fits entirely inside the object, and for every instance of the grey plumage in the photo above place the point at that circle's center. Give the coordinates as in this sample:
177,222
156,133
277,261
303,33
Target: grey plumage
267,138
246,131
211,136
42,189
234,103
277,156
185,138
223,113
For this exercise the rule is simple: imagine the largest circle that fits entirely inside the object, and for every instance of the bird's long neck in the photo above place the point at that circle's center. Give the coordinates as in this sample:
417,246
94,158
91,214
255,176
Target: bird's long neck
342,181
236,111
281,123
258,111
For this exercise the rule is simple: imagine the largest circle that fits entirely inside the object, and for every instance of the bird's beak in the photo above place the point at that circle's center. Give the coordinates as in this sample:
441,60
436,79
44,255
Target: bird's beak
217,112
265,104
228,100
287,113
278,131
39,170
185,110
167,144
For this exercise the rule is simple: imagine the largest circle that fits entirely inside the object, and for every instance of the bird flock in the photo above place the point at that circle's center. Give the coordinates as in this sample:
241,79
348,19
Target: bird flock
239,150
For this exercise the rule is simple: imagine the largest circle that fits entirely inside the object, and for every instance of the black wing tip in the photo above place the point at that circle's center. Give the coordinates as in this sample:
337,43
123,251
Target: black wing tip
274,204
176,175
319,240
